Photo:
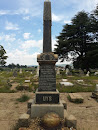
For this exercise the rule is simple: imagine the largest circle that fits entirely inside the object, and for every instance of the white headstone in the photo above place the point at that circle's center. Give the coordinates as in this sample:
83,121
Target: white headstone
20,71
88,74
37,72
96,90
66,83
58,71
67,71
96,73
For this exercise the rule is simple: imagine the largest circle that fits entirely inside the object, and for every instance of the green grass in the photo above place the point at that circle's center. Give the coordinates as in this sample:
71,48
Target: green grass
74,89
23,98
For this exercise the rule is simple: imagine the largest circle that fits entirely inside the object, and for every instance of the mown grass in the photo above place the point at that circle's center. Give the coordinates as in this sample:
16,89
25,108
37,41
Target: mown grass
74,89
5,84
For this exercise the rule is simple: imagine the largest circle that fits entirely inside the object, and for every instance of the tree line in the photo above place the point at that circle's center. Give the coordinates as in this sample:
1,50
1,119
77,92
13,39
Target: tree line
78,41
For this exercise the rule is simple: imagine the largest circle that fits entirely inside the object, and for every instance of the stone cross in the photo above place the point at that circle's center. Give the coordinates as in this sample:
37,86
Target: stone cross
47,27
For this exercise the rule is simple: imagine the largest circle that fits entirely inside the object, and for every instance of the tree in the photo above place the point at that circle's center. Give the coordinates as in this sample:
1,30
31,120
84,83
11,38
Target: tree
77,40
3,57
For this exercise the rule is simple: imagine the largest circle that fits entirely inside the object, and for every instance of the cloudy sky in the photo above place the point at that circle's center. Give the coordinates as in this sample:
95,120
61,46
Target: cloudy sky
21,25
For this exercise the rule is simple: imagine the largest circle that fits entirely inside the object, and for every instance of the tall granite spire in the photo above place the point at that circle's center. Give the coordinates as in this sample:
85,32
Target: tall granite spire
47,27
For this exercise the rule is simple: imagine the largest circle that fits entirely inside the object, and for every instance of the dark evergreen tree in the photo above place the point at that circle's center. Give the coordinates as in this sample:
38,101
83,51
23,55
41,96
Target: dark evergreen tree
3,57
76,41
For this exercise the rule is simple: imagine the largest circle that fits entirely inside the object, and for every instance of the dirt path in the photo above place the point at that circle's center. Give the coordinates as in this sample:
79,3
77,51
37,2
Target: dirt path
86,113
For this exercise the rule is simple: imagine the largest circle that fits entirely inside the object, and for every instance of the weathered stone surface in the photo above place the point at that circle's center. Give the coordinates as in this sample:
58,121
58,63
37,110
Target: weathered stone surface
24,128
71,121
30,103
66,83
39,110
51,120
47,27
64,104
27,81
47,78
75,97
24,120
96,90
64,80
47,97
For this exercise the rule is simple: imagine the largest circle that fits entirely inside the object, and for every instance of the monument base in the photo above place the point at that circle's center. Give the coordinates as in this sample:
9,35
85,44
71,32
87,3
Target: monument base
47,97
39,110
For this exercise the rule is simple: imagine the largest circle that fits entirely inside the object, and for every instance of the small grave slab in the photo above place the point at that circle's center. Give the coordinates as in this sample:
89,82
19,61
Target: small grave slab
75,97
64,80
66,83
80,81
27,81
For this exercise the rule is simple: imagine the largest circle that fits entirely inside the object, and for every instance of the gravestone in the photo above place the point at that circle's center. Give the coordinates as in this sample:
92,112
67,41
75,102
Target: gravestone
37,71
47,96
20,71
58,71
67,71
96,73
88,74
95,93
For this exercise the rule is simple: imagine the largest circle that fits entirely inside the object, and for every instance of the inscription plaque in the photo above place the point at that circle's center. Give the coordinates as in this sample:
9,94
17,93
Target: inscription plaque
47,98
47,78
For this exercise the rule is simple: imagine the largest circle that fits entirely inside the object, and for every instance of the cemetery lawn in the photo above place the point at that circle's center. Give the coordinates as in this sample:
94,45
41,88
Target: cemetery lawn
13,88
88,86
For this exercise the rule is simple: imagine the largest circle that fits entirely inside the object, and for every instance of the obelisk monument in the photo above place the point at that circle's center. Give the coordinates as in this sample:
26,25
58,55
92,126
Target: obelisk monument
47,27
47,93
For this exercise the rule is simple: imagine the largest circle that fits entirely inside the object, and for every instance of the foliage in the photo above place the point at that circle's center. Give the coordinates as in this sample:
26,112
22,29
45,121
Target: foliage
2,56
78,41
23,98
12,66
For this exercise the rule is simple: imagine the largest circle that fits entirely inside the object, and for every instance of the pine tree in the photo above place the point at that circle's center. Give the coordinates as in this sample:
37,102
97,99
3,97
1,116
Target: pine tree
77,41
2,56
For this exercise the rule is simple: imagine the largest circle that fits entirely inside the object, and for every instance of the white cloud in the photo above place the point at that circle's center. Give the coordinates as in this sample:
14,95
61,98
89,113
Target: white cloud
26,35
0,38
7,38
39,30
32,43
26,17
11,26
10,38
22,57
67,21
22,11
57,18
4,12
53,44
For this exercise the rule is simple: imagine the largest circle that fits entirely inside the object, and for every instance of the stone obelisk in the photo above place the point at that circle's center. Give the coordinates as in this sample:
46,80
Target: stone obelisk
47,27
47,93
47,60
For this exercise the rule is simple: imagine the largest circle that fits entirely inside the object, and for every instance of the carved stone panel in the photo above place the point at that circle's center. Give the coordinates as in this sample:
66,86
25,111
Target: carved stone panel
47,78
